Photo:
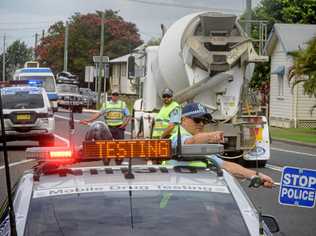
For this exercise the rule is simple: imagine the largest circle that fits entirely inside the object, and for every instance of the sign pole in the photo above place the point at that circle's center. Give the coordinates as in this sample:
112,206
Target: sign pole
101,60
3,60
66,47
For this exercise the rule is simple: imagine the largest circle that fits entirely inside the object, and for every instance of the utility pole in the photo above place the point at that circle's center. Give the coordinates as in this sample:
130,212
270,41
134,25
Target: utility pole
66,47
35,45
248,18
101,59
3,59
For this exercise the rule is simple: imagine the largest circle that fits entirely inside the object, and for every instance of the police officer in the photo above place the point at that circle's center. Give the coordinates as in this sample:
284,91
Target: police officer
167,117
116,116
194,117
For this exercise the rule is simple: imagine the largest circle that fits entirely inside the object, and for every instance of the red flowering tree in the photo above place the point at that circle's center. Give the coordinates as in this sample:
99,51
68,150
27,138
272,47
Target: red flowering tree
84,41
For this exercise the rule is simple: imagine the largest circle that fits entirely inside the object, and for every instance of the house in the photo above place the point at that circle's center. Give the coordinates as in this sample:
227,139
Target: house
288,105
118,76
119,69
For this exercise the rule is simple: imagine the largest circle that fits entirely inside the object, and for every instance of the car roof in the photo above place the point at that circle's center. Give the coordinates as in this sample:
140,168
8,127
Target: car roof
144,176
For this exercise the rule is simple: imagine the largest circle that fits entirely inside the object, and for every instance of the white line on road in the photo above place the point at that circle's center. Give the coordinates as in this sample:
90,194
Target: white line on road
16,163
63,139
273,167
65,118
289,151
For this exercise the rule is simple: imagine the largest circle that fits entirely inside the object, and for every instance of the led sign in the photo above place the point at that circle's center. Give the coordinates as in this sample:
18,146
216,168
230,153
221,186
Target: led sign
137,148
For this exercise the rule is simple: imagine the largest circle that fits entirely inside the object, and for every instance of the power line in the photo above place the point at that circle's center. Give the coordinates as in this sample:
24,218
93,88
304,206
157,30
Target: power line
178,5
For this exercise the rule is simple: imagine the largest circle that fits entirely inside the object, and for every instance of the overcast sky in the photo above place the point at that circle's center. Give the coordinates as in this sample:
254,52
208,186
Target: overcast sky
21,19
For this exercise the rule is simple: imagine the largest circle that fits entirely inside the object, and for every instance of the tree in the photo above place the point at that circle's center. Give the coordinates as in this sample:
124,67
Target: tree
279,11
84,40
304,69
16,55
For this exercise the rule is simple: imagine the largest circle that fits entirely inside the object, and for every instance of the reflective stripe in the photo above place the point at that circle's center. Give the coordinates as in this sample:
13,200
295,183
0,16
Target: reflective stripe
114,113
163,118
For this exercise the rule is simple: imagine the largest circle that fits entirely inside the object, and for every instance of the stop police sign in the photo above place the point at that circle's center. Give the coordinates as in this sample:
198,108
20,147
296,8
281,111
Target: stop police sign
298,187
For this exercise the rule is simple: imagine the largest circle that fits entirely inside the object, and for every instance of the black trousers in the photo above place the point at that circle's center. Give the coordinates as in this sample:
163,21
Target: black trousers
117,133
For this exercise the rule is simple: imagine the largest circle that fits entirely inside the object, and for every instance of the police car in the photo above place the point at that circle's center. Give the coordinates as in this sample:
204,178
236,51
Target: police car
58,199
28,114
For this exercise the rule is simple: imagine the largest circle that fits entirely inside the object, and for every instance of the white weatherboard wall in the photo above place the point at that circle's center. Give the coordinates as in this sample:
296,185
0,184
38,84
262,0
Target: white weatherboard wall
281,108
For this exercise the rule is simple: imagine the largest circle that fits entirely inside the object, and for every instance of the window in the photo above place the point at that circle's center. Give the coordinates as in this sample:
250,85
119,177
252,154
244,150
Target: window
48,81
176,213
280,85
22,100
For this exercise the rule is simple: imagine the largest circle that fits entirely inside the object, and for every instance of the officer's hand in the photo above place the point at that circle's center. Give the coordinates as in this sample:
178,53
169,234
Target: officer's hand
84,122
216,137
267,181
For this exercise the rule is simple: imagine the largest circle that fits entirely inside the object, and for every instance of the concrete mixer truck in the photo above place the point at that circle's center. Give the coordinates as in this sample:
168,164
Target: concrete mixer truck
207,58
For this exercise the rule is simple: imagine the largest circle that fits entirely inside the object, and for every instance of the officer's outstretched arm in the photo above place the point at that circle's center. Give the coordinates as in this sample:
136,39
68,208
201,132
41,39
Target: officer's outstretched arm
242,172
91,119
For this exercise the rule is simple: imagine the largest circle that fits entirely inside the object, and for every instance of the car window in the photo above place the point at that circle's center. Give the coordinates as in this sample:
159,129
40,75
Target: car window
67,88
150,212
22,100
48,81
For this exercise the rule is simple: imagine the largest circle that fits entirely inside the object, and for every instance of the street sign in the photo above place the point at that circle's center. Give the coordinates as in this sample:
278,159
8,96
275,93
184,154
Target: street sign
298,187
97,59
89,74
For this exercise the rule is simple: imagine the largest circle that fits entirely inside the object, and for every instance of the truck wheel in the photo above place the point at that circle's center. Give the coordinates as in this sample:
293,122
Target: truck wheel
47,141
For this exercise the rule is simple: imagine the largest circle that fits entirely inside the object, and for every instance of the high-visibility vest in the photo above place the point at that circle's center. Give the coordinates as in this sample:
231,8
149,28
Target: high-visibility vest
163,118
174,135
114,112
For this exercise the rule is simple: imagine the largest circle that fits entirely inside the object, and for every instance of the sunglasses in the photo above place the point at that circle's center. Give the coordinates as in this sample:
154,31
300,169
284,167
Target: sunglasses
114,94
166,96
199,120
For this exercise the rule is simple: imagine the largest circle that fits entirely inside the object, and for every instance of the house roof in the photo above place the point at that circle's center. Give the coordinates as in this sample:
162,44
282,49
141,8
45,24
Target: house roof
125,57
291,36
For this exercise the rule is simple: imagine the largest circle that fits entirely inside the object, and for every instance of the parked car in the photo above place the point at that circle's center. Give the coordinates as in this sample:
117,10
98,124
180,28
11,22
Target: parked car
89,97
68,94
28,115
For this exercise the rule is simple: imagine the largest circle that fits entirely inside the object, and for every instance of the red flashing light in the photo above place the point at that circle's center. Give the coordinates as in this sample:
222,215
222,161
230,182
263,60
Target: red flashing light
60,154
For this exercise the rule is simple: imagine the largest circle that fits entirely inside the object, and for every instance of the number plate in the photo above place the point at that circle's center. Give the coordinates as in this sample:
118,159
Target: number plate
23,117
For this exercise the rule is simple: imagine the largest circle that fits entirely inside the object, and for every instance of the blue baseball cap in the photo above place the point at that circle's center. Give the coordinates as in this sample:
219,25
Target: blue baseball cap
196,110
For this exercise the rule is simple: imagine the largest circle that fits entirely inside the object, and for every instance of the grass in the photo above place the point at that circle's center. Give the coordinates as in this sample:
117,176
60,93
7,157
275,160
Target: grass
306,135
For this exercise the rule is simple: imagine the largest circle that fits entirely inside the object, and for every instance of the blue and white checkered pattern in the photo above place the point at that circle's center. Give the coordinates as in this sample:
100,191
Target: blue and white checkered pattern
5,227
194,110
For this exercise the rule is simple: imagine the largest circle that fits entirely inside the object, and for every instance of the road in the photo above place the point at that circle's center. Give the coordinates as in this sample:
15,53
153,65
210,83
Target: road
293,221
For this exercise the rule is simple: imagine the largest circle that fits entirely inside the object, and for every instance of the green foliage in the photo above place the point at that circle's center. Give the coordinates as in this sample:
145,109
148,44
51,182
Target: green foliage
279,11
304,68
84,41
16,55
153,42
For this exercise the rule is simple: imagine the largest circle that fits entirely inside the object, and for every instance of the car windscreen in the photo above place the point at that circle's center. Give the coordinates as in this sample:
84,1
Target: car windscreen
22,100
176,213
48,81
67,88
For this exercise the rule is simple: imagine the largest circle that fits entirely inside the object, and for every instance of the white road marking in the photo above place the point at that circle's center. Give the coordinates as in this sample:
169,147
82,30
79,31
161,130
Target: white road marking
63,139
16,163
273,167
65,118
289,151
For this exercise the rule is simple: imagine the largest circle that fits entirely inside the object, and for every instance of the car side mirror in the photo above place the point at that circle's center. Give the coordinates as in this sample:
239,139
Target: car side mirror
271,223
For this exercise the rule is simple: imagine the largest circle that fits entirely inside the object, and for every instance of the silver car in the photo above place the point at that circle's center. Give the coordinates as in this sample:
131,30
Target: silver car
28,115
